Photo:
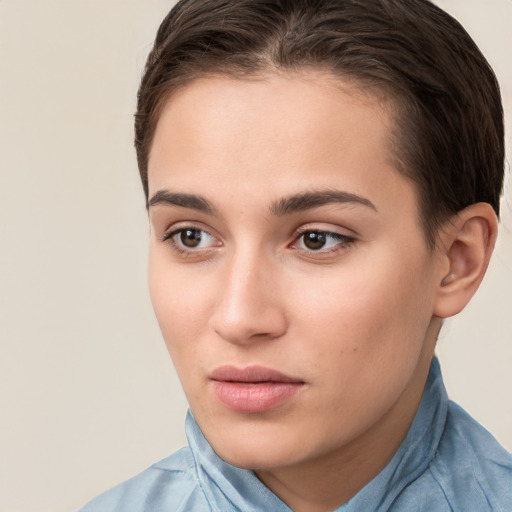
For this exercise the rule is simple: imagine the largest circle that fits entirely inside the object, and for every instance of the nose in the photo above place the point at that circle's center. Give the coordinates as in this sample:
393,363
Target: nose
249,306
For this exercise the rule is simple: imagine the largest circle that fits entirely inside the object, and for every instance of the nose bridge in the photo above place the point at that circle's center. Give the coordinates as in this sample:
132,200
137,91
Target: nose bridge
248,303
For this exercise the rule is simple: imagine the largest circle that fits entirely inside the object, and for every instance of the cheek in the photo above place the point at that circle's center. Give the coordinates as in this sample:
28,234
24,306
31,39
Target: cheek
366,336
380,307
178,304
179,308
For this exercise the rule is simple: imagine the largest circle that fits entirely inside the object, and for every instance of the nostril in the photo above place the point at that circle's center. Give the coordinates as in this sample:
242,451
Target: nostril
266,325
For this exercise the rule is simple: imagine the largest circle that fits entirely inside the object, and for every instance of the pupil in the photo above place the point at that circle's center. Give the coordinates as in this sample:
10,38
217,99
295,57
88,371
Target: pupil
314,240
190,237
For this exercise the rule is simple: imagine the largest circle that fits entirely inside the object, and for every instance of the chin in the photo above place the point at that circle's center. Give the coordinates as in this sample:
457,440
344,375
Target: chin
262,452
257,441
256,461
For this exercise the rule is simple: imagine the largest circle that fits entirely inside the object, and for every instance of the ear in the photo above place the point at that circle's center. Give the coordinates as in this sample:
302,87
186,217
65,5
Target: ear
465,244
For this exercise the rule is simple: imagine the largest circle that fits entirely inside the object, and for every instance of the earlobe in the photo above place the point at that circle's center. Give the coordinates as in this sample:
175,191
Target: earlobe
467,243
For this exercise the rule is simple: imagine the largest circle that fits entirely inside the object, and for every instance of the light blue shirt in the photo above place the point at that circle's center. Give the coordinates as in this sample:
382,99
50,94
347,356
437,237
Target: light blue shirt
447,462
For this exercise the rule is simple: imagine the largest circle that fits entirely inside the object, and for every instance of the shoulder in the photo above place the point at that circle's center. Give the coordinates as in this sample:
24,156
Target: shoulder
170,485
469,471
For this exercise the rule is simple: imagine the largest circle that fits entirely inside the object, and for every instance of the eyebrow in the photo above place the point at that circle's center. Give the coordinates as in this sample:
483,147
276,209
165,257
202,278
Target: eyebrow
284,206
184,200
310,200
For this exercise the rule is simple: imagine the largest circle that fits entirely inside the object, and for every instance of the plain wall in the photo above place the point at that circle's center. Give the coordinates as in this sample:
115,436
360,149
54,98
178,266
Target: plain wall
88,396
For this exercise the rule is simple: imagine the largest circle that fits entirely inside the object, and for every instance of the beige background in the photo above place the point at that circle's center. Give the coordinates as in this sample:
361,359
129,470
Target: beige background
88,396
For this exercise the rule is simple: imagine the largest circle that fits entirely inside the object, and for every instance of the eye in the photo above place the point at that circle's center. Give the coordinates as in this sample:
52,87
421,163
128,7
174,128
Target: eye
321,241
189,239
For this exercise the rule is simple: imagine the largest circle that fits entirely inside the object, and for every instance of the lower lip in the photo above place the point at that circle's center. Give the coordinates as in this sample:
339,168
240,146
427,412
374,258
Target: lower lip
253,397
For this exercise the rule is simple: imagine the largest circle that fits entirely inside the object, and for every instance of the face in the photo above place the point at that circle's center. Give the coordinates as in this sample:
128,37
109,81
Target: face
287,266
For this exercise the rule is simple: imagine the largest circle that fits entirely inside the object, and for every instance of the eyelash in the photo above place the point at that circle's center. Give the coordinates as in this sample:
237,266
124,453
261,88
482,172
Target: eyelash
169,238
342,241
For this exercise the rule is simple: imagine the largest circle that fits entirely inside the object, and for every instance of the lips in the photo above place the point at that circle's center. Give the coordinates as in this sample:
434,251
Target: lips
253,389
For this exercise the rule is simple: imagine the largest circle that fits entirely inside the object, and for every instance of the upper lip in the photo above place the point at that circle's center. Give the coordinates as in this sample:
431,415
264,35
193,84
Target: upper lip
250,374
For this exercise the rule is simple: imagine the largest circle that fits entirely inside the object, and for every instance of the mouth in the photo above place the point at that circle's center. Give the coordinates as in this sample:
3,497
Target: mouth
253,389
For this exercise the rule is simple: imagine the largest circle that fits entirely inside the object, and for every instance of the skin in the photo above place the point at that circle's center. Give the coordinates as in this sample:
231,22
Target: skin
356,320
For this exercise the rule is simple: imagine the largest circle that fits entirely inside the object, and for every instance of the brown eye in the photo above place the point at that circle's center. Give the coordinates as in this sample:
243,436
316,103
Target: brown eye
190,237
314,240
322,241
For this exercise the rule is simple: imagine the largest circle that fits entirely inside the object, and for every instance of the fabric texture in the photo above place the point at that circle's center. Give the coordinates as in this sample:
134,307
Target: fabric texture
447,462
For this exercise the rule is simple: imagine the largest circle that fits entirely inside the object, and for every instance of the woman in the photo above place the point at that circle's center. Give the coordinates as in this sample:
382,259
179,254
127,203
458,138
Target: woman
323,182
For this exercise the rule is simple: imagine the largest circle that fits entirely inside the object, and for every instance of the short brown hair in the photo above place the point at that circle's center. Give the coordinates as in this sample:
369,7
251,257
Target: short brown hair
450,135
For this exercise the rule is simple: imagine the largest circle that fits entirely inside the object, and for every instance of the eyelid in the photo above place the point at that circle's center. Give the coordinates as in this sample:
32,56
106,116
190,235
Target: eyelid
345,240
184,225
181,250
331,230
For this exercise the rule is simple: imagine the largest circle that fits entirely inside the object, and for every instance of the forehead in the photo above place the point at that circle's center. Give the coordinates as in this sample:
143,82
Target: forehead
277,108
275,134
